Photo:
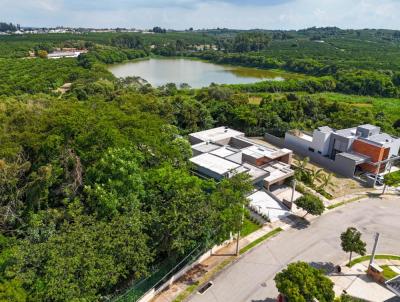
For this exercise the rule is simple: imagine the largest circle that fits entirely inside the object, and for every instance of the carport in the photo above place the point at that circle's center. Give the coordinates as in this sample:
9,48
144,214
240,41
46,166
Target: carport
347,162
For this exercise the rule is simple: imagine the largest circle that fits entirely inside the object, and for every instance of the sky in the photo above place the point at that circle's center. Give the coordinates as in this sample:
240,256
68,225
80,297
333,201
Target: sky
183,14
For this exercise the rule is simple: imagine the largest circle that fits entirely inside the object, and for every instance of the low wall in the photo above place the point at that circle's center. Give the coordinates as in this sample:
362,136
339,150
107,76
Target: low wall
274,140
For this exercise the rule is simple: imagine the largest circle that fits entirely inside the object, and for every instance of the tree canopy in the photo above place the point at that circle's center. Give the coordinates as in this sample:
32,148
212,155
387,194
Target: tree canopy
311,204
392,179
351,242
301,282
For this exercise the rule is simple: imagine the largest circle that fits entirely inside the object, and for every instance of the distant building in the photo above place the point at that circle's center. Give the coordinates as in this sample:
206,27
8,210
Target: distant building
344,151
223,152
66,53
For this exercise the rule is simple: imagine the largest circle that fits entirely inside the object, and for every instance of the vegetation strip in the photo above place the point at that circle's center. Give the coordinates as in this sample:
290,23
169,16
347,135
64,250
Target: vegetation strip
368,257
388,273
259,240
332,206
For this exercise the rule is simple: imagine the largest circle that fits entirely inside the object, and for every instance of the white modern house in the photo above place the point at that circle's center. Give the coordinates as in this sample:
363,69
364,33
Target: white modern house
223,152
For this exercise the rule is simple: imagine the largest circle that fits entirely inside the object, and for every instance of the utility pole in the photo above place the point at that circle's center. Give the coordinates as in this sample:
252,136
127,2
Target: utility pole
377,173
390,168
293,190
374,249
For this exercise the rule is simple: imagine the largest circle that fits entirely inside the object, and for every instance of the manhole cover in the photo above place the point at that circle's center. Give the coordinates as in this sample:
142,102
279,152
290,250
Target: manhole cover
264,284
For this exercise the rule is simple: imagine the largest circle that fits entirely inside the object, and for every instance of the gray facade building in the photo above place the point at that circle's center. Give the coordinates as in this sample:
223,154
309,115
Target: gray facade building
346,150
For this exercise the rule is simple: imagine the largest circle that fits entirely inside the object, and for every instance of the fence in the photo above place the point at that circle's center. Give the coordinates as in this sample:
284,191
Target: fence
147,288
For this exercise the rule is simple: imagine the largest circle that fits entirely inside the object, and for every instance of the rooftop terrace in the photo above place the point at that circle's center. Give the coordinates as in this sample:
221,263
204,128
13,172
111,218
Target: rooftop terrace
216,134
225,157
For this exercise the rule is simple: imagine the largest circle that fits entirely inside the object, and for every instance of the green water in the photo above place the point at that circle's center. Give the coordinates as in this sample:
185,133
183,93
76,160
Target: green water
193,72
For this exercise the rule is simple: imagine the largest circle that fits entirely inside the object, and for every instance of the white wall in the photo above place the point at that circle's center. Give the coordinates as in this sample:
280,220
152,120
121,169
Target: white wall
293,140
394,147
321,142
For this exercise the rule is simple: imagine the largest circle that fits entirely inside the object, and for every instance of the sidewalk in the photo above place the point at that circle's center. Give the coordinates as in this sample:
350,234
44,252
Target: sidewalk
356,283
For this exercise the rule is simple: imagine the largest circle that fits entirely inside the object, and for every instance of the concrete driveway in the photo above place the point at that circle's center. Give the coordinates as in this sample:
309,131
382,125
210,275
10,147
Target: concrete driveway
251,277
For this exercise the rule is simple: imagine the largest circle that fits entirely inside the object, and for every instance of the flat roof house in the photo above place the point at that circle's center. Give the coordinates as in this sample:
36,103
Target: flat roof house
345,150
223,152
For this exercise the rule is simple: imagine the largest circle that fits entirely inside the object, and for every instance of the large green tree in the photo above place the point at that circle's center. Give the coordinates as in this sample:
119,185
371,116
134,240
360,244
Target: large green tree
302,283
115,182
179,210
85,258
230,201
311,204
11,288
351,242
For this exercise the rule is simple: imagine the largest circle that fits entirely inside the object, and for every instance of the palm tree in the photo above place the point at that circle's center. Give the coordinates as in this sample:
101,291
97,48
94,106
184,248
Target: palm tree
315,175
302,168
326,181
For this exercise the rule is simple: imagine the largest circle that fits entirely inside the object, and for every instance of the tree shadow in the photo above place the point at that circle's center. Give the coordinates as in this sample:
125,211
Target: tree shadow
374,195
394,299
327,267
298,223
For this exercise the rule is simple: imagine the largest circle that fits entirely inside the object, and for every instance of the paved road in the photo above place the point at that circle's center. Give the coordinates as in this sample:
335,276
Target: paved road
251,277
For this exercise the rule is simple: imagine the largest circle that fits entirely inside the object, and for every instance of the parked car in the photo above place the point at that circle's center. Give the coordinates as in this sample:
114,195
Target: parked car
379,179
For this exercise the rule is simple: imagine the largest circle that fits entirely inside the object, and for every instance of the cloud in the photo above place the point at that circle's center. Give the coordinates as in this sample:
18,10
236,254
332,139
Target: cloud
180,14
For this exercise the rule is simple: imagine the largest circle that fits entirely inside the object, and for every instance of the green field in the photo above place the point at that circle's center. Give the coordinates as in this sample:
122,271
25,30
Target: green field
389,106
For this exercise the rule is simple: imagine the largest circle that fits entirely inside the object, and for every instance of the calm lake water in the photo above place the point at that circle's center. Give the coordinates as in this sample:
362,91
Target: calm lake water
193,72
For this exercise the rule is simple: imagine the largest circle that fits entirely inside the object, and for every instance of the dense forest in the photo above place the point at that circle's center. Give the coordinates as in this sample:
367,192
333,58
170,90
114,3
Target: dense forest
96,189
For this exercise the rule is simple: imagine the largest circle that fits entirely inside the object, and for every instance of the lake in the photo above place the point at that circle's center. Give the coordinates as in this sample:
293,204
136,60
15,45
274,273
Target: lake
196,73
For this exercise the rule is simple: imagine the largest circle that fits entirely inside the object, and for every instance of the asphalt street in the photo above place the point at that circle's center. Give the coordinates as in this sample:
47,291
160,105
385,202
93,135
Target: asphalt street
251,277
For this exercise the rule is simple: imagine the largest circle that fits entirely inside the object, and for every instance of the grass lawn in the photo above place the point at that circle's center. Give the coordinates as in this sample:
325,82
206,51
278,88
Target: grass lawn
259,240
248,227
332,206
368,257
388,273
389,106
